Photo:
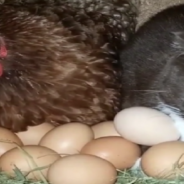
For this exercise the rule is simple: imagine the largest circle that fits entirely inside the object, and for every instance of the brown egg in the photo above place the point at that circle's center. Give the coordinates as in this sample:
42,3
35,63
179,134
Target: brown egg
120,152
164,160
42,156
34,133
82,169
8,140
104,129
68,139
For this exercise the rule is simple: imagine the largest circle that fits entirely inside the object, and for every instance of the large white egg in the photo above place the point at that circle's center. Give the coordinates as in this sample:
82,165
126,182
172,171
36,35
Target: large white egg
145,126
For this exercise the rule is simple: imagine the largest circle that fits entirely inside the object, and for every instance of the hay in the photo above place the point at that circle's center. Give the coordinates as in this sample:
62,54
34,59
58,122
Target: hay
148,8
125,177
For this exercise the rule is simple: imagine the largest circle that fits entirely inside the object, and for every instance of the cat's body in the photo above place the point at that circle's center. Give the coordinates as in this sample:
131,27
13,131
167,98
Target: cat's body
153,66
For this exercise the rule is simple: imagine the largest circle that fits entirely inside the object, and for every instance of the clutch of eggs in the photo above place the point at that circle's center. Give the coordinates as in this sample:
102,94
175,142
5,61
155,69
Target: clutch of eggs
66,147
109,145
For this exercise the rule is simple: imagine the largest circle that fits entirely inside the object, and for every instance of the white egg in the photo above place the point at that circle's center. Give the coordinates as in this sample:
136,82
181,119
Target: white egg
145,126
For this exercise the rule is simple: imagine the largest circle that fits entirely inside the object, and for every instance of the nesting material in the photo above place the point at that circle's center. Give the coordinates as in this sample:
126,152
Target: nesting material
148,8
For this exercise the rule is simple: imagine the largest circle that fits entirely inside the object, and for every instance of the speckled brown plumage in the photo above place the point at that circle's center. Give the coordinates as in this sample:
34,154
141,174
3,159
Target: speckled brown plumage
61,64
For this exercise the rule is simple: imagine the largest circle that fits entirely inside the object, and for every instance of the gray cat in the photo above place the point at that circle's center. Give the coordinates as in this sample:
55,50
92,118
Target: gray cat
152,66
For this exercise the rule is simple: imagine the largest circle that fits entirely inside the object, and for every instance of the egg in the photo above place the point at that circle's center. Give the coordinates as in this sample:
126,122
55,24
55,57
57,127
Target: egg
8,140
104,129
120,152
164,160
68,139
82,169
145,126
15,157
34,133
